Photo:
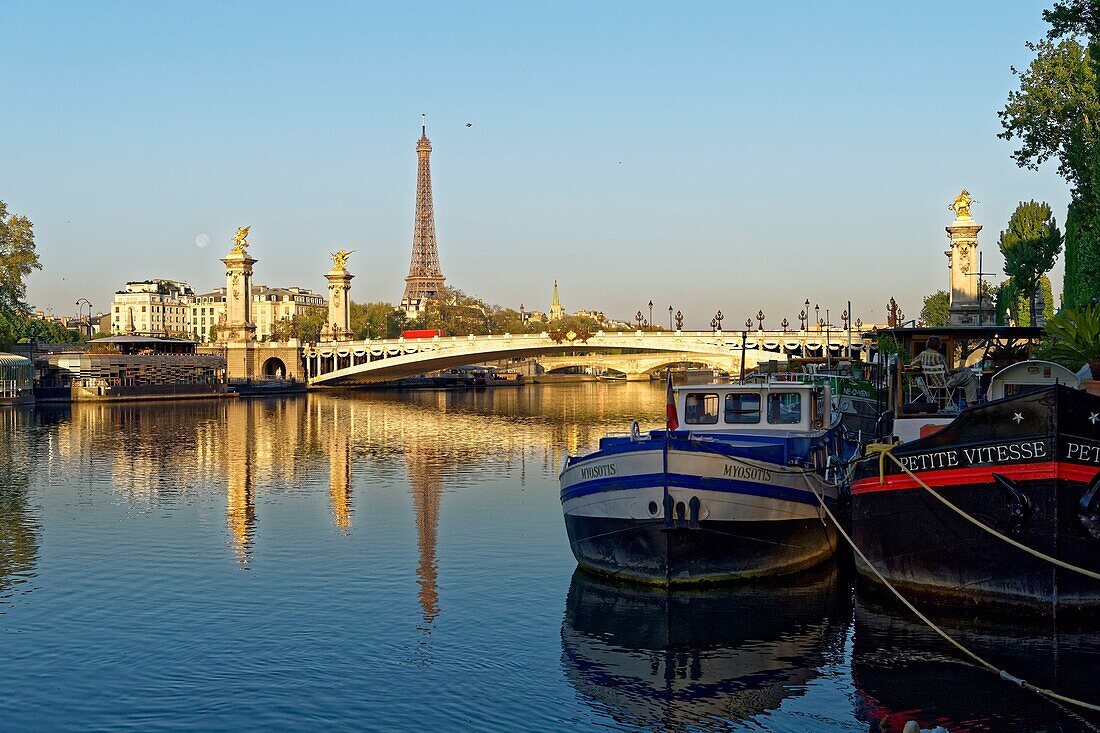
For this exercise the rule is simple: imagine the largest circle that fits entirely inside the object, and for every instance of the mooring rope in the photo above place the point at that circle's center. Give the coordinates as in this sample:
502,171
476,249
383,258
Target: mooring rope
1003,674
883,452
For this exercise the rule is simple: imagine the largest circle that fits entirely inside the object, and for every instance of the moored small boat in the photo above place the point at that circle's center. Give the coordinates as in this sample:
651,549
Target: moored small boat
1023,471
732,495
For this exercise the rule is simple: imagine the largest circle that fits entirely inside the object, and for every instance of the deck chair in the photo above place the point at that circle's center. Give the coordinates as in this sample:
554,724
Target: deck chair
935,388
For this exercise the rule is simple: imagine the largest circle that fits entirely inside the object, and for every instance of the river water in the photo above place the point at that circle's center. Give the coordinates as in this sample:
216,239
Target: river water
398,561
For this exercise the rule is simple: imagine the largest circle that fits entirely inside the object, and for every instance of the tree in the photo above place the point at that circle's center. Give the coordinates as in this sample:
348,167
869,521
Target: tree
376,320
1013,306
456,314
1056,114
17,260
935,310
308,326
1030,245
283,329
1073,339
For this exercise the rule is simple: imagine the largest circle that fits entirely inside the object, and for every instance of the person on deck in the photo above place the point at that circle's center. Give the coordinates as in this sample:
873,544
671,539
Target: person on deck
959,377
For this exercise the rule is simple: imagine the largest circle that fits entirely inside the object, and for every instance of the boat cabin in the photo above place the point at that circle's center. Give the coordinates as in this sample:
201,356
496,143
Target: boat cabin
767,407
921,400
1028,376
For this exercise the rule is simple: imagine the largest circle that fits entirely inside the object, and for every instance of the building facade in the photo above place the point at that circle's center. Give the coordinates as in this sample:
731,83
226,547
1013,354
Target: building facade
157,308
271,305
162,308
207,311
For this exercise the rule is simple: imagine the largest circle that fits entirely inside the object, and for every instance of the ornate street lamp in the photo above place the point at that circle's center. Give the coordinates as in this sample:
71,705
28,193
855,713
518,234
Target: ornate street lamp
522,316
748,324
638,318
79,317
785,324
651,311
844,318
679,321
817,315
760,318
713,324
670,318
718,317
802,317
859,324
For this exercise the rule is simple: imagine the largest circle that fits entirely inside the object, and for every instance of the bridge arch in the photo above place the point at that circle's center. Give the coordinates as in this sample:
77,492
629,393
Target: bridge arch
364,362
274,367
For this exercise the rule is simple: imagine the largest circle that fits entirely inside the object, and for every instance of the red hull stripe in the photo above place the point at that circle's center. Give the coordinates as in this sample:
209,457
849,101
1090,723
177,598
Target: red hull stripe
980,475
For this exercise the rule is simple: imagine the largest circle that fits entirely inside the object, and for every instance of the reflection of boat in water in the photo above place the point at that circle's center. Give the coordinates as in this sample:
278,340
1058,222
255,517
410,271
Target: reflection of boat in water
665,659
903,670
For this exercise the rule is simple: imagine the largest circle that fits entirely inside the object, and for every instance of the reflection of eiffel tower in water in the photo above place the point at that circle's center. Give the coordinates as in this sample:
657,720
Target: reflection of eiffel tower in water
427,489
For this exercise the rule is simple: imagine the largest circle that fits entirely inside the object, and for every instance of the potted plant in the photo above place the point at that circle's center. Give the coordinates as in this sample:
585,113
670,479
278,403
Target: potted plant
1073,339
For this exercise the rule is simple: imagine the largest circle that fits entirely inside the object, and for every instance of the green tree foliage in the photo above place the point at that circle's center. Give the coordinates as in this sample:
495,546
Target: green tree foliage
456,314
1030,246
307,327
576,324
1014,308
283,329
377,320
1056,114
17,260
935,310
1082,282
1073,339
15,327
1007,304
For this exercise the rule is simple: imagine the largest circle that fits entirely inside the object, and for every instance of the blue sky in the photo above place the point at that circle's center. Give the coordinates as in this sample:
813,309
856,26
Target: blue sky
727,155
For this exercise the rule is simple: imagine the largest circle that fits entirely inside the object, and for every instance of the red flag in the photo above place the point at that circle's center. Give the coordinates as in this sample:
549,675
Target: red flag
671,423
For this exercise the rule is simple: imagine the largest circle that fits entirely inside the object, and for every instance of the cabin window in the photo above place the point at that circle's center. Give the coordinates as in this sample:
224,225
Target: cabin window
742,409
701,409
785,408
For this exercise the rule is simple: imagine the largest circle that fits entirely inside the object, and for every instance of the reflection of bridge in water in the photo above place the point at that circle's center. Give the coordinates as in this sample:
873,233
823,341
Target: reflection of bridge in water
240,457
364,362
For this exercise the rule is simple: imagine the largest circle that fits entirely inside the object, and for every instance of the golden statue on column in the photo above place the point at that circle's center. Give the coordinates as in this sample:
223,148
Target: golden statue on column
240,241
961,205
340,259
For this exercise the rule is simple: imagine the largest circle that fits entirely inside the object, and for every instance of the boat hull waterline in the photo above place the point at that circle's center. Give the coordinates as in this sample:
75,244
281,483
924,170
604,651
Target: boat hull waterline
731,518
1029,468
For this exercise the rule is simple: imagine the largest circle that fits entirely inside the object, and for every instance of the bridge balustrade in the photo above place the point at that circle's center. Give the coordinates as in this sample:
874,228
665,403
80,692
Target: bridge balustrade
357,358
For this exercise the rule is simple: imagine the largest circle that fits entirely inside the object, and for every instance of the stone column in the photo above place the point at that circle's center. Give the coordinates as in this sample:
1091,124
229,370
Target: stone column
338,327
238,326
962,255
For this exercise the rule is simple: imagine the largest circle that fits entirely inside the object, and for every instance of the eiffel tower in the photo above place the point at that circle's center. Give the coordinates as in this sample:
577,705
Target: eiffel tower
425,280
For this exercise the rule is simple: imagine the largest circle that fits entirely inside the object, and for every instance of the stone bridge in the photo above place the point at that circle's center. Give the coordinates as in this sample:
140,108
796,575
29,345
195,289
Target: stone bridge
338,364
640,366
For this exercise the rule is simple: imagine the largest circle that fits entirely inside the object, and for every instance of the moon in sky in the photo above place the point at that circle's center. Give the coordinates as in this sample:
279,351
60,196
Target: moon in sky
202,240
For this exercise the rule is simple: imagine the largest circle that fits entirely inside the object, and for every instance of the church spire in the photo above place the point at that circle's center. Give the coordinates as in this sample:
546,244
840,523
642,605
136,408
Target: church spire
556,311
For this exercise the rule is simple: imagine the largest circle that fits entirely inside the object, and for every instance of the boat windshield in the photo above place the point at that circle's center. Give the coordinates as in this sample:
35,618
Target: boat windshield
701,408
742,408
785,408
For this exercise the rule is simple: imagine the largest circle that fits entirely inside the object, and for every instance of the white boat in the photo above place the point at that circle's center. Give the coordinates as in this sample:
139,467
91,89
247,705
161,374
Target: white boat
730,494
